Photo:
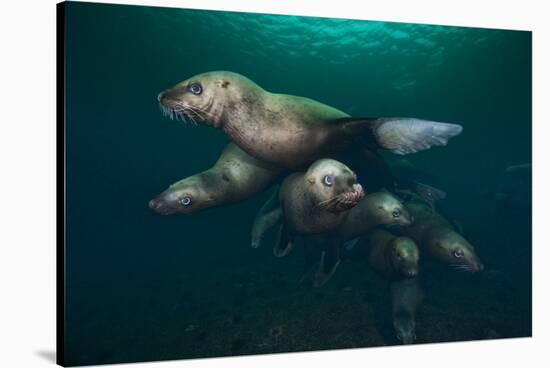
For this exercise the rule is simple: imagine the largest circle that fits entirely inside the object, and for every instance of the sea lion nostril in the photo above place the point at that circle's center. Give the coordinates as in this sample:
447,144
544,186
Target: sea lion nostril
152,204
160,96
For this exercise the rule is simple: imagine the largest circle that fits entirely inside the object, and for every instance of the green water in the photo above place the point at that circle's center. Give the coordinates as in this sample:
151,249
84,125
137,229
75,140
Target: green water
146,287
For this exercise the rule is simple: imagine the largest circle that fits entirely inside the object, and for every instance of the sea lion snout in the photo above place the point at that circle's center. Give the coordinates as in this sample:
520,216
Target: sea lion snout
477,267
358,192
160,206
168,95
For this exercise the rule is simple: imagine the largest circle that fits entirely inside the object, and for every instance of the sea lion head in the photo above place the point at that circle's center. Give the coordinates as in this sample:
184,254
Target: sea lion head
453,249
405,256
388,209
204,97
333,186
184,197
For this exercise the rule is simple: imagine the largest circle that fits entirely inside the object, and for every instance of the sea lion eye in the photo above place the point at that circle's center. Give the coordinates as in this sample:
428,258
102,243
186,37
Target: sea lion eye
396,213
185,201
458,253
328,180
195,88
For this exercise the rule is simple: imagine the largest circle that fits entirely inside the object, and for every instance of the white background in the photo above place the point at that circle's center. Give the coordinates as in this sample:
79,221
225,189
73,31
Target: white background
27,182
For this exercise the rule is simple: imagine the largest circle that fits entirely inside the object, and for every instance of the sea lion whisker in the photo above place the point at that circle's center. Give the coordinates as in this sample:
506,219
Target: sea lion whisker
207,113
193,109
196,115
187,112
329,202
192,120
463,267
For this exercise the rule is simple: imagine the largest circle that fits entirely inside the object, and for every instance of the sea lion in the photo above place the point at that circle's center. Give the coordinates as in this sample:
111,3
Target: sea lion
393,257
437,239
406,296
316,201
291,131
378,208
235,176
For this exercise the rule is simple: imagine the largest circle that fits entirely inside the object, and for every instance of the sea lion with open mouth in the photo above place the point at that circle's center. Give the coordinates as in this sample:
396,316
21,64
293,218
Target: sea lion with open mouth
234,177
291,131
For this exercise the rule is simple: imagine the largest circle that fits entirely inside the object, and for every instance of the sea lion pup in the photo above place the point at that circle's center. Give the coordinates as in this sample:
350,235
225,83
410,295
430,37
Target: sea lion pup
234,177
291,131
437,239
315,202
406,296
392,257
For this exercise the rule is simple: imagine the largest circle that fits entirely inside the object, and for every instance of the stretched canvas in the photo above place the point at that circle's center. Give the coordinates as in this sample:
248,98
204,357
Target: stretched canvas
237,183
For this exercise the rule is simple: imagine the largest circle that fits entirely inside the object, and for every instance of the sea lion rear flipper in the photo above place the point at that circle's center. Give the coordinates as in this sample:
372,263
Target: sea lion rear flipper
402,135
284,243
330,259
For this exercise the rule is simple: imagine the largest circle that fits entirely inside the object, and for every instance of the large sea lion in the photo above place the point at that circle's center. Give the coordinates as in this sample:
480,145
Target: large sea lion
437,239
291,131
392,257
234,177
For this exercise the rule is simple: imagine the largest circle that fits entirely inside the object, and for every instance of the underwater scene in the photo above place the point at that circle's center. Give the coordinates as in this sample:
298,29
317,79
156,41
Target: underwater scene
242,183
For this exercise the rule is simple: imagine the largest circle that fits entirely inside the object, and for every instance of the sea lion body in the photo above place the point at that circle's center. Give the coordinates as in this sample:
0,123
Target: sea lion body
437,239
234,177
291,131
392,257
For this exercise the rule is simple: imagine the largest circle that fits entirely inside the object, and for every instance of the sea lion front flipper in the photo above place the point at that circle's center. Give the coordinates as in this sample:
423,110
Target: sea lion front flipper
402,135
330,259
284,243
267,217
350,244
310,253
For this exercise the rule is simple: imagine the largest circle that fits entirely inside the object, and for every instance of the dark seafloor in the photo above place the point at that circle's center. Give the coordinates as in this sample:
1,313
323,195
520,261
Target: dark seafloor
140,286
